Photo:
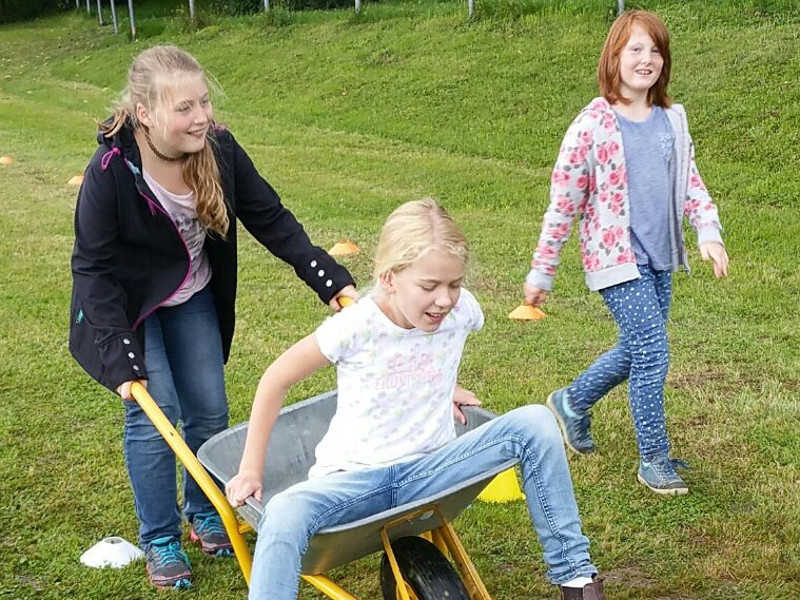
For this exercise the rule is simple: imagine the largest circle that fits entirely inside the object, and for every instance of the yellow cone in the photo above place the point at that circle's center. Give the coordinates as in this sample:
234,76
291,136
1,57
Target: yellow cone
503,488
77,180
343,248
526,312
6,160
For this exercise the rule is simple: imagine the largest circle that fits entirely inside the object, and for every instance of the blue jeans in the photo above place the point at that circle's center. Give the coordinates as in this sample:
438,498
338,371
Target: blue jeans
183,356
529,433
640,308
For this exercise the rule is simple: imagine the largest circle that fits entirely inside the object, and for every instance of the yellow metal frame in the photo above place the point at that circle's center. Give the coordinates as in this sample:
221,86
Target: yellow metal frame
444,537
448,543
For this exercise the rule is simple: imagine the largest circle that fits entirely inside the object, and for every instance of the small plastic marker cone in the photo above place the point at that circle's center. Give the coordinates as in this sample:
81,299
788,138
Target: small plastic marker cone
111,552
526,312
77,180
6,160
343,248
503,488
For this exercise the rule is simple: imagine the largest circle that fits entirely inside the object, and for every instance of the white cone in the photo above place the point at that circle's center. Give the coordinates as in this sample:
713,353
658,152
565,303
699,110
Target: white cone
111,552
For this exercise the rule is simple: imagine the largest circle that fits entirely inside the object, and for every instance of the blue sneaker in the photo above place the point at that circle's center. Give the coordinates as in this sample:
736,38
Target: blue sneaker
574,425
209,532
660,475
167,565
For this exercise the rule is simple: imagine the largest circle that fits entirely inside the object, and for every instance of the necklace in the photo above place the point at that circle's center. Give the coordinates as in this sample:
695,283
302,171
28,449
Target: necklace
156,151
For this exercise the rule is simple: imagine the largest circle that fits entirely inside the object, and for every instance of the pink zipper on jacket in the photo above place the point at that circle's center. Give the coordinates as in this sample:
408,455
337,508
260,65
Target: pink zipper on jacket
155,205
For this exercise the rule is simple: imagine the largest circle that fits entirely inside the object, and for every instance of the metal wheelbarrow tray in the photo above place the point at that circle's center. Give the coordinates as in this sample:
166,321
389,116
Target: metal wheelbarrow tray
294,438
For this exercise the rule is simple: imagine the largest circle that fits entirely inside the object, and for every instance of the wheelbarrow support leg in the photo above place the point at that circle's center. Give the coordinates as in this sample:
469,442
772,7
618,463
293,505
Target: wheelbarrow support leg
446,535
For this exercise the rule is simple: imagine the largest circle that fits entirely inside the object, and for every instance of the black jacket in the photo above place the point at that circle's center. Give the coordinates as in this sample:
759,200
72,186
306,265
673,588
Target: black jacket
129,258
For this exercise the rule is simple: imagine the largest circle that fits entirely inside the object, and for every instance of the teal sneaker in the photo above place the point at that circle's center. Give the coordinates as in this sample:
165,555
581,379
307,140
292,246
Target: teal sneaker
209,532
574,425
660,475
167,565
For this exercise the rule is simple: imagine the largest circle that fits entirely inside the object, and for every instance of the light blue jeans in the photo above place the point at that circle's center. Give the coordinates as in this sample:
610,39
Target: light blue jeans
529,433
640,308
183,356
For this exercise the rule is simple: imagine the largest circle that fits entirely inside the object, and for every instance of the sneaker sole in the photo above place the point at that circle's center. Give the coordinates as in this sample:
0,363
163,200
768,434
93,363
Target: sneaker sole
562,426
669,492
180,584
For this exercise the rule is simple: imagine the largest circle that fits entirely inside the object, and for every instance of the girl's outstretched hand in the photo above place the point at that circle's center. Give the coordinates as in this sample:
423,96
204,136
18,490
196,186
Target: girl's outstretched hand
534,295
241,487
716,253
462,397
348,291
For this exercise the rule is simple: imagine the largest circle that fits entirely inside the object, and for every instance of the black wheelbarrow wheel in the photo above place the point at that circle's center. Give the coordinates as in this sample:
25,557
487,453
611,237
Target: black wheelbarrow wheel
427,573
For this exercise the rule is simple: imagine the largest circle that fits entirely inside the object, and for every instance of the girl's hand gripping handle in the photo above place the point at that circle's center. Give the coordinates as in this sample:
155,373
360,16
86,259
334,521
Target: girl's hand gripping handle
242,486
345,297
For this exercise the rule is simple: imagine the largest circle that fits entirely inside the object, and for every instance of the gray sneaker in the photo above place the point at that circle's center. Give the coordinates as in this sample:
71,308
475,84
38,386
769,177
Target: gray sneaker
167,565
209,532
660,475
574,424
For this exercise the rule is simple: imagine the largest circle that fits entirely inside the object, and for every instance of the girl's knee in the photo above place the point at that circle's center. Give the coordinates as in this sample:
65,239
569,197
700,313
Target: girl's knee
285,517
538,422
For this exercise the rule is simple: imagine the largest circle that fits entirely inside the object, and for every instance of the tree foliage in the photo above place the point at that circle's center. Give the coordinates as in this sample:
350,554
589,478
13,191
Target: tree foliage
22,10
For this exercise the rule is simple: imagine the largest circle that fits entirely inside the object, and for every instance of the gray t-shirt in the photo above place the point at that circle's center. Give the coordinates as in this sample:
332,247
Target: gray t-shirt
649,146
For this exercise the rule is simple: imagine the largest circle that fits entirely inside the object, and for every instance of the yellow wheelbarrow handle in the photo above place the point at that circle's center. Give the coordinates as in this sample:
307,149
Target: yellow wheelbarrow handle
200,475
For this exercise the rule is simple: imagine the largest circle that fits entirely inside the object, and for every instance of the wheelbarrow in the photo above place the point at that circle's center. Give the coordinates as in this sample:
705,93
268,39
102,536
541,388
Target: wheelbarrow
417,539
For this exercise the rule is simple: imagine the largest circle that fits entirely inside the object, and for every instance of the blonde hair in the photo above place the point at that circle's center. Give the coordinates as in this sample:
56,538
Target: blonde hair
608,71
151,81
412,230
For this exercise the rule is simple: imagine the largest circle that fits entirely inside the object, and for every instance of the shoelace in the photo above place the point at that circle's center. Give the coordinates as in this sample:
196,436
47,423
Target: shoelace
209,524
168,554
666,466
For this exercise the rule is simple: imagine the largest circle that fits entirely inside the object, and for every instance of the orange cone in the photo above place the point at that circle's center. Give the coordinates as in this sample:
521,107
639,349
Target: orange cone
343,248
526,312
6,160
77,180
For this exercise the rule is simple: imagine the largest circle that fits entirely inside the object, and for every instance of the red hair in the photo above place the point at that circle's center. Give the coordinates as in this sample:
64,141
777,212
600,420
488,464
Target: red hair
608,75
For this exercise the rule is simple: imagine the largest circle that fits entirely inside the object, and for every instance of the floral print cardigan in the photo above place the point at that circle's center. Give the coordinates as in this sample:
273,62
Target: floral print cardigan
589,180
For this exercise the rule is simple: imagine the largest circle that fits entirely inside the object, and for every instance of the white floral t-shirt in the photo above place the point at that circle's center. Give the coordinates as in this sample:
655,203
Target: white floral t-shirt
395,385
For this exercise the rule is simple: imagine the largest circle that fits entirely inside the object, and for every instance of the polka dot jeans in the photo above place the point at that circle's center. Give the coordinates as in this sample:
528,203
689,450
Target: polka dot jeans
640,308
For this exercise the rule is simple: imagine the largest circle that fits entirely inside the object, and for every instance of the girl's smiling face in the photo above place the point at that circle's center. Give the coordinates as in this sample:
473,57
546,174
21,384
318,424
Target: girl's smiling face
640,64
180,122
423,294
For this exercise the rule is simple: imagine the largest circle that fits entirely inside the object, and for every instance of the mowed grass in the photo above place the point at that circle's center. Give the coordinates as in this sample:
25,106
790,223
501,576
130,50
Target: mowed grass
348,116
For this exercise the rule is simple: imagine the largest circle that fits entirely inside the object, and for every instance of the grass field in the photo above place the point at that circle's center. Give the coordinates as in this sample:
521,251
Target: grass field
348,116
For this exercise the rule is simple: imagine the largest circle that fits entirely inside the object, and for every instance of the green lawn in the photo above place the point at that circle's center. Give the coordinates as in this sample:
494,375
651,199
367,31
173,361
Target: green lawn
348,116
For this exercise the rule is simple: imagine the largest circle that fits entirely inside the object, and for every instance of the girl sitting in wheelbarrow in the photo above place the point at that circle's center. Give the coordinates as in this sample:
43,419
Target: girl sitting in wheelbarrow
392,440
